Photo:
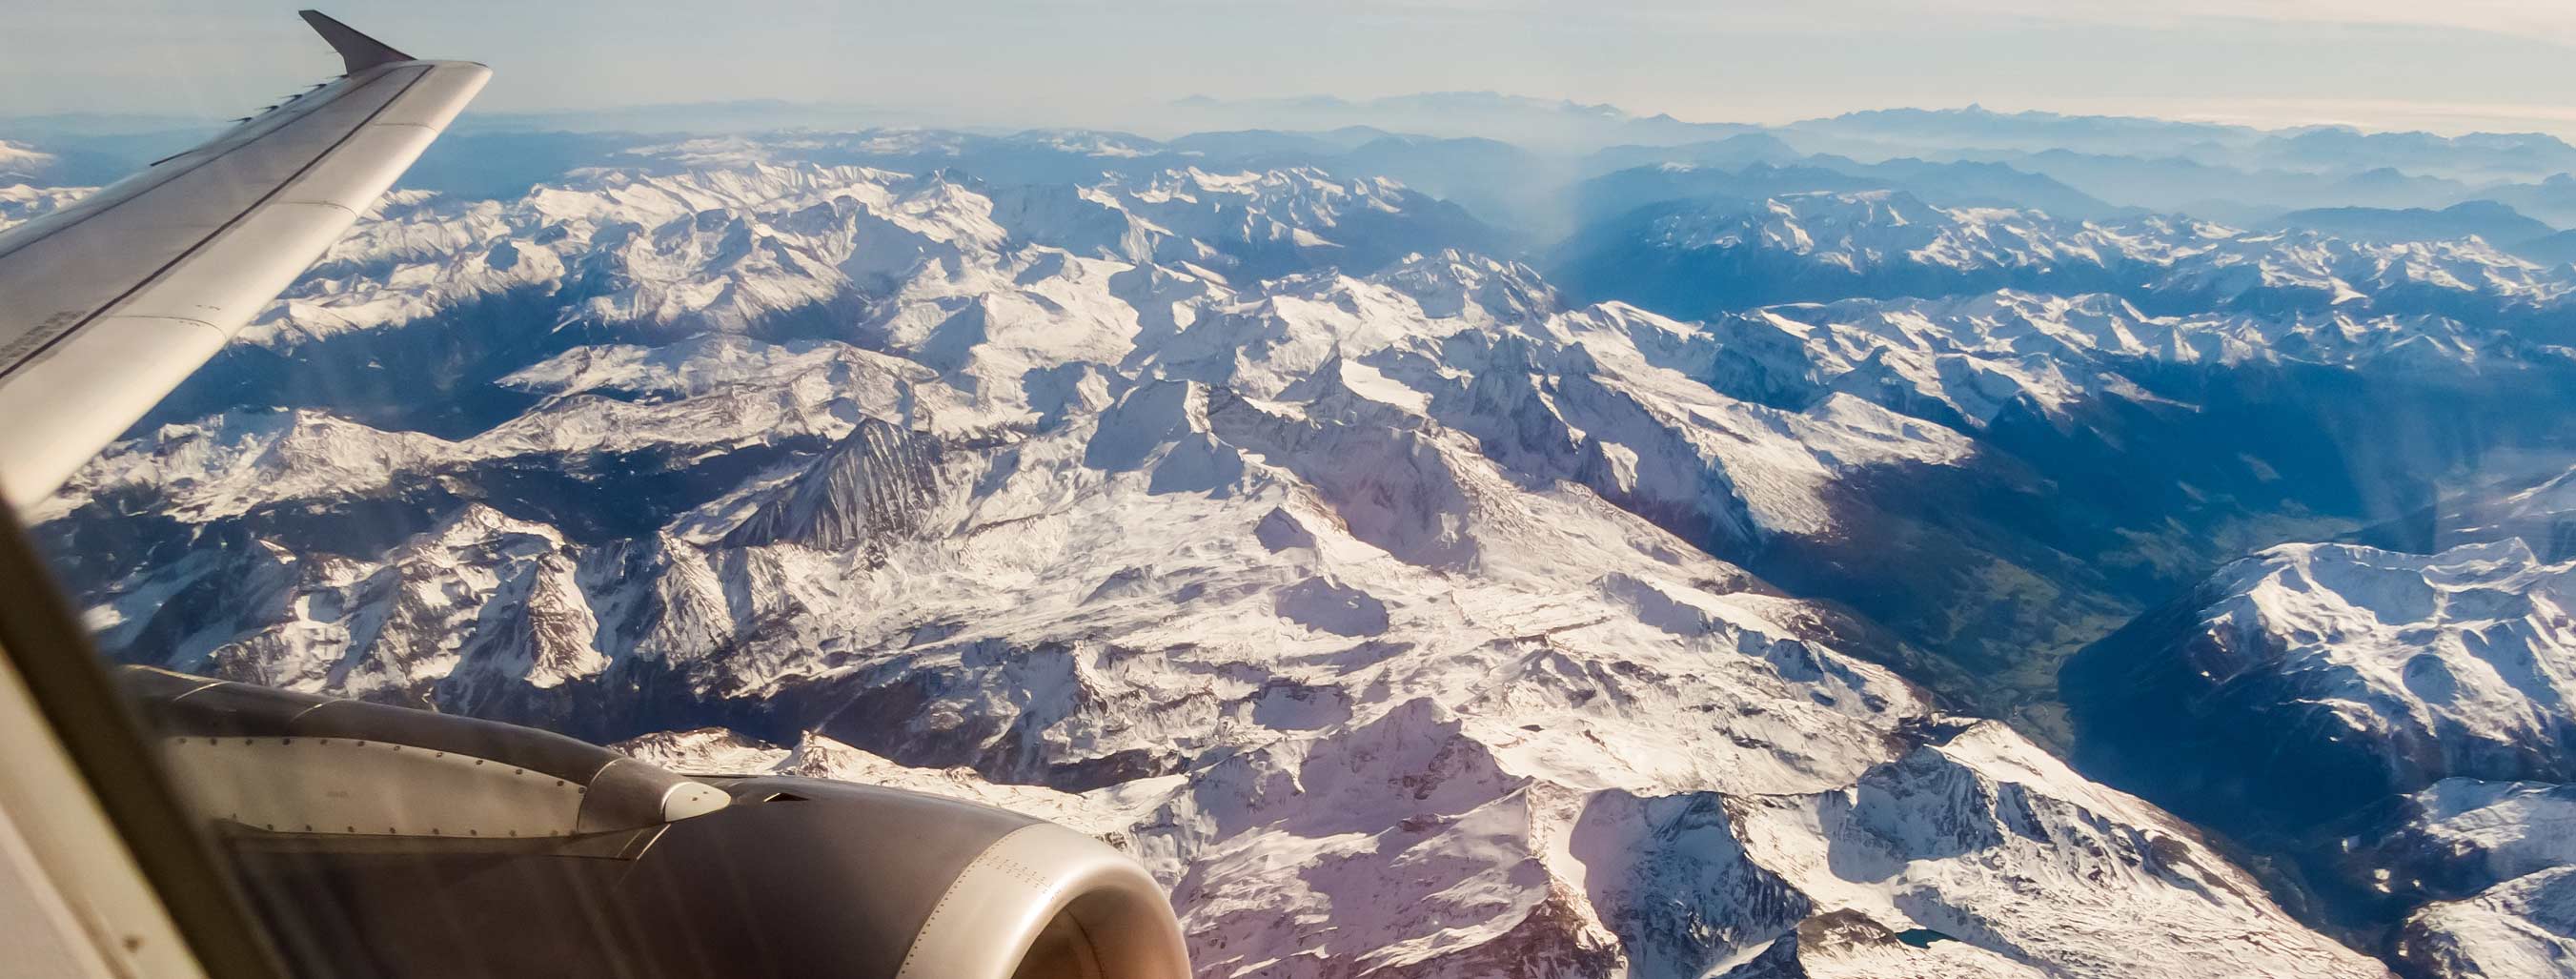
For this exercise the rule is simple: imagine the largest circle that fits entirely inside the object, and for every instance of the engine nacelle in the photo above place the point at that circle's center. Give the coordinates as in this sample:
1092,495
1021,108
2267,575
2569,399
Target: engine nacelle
978,891
426,845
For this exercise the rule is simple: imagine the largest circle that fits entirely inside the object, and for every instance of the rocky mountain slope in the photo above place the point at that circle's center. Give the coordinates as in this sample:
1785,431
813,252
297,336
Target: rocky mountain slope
1371,594
2396,724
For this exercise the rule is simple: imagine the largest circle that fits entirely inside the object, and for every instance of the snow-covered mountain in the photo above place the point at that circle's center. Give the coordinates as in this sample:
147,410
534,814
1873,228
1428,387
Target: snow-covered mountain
2489,864
2390,670
1406,609
1696,258
23,164
1964,360
2156,446
2397,723
1374,606
1536,121
21,202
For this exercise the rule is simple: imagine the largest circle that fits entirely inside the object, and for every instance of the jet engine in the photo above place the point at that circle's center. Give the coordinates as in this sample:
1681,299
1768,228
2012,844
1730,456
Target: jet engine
424,844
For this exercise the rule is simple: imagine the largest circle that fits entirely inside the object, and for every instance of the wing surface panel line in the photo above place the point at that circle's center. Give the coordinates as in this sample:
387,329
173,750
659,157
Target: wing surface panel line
201,243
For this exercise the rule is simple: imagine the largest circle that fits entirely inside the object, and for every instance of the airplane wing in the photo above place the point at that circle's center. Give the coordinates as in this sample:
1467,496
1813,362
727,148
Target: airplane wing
109,303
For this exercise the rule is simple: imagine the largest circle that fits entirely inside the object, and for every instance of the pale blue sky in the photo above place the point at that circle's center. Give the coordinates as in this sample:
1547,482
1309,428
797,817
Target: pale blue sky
2449,66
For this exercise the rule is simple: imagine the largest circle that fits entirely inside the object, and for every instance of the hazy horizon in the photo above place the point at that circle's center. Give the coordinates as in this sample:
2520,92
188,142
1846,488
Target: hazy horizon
2383,66
2467,120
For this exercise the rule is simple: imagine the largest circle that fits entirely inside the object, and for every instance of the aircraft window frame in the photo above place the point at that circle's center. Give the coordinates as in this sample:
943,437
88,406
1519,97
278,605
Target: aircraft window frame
99,728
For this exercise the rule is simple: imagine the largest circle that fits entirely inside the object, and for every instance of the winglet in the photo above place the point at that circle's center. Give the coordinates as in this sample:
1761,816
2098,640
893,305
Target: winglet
358,51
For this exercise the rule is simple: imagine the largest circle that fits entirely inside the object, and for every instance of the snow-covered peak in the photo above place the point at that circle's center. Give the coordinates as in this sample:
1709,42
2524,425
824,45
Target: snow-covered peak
229,464
1360,583
1709,257
1964,360
2461,663
22,164
20,203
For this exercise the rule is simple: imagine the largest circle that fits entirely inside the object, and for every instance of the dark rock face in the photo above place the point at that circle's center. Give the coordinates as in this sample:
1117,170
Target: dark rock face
879,482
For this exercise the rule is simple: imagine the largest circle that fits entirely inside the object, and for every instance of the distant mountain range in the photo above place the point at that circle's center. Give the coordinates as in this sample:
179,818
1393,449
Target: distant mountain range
2494,223
1509,158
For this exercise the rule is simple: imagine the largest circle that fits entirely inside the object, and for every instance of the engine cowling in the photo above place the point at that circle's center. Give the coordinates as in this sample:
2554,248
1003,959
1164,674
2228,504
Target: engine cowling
1030,898
419,844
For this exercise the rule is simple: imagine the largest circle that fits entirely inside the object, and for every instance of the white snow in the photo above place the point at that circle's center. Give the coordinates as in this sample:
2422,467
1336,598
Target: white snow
2470,653
1325,594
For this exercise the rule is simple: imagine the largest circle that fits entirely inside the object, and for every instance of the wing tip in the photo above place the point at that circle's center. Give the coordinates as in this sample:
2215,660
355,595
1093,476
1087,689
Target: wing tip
358,51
